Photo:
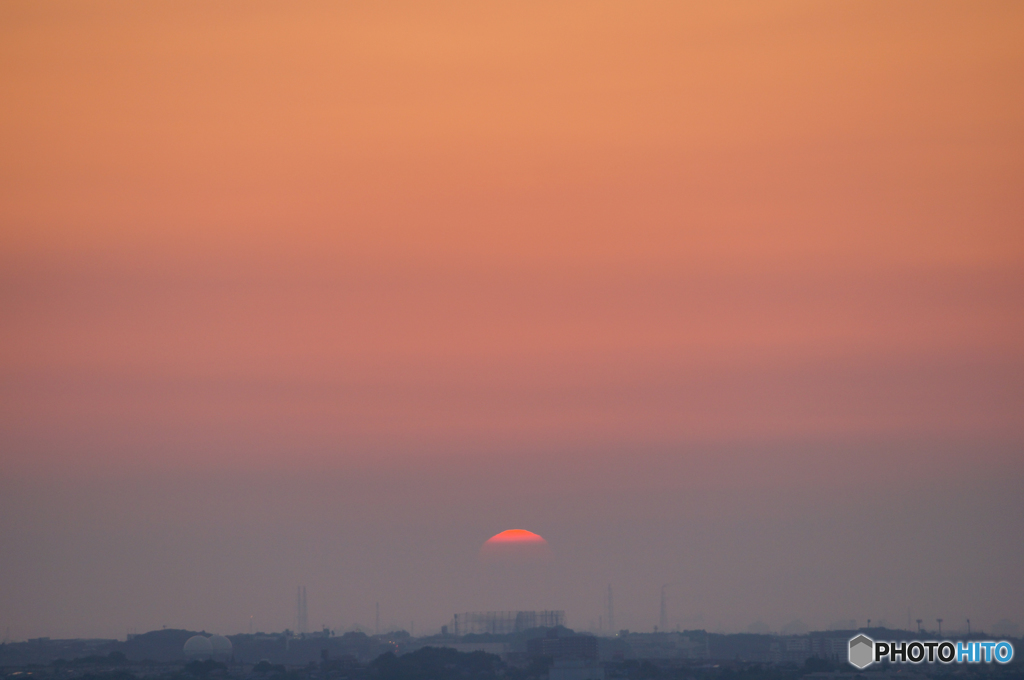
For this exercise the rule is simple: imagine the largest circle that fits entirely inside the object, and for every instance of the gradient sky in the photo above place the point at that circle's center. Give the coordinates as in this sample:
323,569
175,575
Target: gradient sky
723,295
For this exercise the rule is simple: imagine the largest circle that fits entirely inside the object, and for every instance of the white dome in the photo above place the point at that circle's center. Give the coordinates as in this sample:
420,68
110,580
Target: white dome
197,645
220,644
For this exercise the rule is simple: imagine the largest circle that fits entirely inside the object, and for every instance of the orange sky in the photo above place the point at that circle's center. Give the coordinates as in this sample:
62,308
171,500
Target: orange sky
727,295
418,227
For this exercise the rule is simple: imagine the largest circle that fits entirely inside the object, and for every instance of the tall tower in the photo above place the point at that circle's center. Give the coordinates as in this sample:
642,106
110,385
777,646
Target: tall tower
301,612
663,618
611,612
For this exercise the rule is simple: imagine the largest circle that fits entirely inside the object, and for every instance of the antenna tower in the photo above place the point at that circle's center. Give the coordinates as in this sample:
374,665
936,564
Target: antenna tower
611,612
663,618
302,612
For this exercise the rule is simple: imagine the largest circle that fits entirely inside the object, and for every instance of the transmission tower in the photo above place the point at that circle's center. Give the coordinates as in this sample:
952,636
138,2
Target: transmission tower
301,611
611,612
663,618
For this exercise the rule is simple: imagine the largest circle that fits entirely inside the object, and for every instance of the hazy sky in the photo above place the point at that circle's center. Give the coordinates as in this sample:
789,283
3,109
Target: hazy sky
723,295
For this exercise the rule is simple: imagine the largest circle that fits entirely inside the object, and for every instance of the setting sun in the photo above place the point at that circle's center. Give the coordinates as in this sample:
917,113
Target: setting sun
516,547
516,536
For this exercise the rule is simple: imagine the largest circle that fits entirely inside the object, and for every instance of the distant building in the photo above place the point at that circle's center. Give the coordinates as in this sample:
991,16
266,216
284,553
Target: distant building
221,648
215,647
569,646
832,648
574,656
504,622
792,649
198,647
664,646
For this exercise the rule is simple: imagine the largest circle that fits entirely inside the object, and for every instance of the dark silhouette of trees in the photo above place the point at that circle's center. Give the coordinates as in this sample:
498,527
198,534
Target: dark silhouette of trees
267,667
435,663
203,668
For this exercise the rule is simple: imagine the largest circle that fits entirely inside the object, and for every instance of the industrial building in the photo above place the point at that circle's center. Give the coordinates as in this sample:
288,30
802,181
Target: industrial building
504,622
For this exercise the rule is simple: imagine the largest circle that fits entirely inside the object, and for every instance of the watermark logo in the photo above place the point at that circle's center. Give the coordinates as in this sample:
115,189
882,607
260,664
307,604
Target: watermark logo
864,651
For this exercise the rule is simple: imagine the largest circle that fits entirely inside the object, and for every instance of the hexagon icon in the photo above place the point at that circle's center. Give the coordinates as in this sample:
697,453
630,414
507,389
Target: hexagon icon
862,651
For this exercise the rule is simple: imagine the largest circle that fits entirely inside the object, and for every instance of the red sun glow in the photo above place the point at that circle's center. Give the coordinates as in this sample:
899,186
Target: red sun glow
516,536
516,546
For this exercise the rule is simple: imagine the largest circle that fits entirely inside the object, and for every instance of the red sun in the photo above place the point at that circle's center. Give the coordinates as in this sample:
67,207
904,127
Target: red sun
515,546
